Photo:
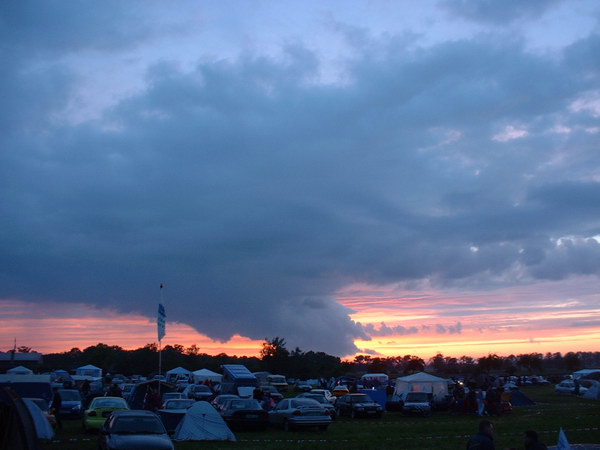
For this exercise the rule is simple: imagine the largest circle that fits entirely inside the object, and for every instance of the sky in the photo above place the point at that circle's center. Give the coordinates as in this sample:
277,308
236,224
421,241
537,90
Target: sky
375,177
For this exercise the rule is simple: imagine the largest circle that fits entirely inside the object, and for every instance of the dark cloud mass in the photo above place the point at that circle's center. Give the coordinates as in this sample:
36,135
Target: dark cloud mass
255,191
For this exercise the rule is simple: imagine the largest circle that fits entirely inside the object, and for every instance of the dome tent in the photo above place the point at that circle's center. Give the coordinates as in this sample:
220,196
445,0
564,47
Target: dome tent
202,422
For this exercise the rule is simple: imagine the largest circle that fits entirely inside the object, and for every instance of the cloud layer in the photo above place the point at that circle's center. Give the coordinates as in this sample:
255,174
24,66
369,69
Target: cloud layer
255,187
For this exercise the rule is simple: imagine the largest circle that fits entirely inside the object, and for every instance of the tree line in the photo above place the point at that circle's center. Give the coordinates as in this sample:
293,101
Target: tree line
275,357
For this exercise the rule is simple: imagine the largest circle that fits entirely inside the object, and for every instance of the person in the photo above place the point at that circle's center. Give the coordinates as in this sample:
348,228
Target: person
484,439
55,407
115,391
258,394
480,402
532,441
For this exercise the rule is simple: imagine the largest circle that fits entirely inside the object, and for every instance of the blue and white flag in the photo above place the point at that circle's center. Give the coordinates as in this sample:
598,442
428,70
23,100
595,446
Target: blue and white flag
161,321
563,444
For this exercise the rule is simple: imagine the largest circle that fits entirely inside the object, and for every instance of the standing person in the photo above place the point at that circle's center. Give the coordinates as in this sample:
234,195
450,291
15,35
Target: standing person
115,391
480,402
484,439
532,441
55,406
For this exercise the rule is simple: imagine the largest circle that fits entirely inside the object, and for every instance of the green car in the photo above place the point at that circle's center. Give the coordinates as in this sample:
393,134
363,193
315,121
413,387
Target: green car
98,411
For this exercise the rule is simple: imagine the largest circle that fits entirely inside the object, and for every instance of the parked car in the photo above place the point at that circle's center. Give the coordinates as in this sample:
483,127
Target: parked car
45,407
273,392
303,386
178,403
358,405
292,413
219,400
329,408
125,430
416,403
100,408
325,393
198,392
244,413
568,387
72,403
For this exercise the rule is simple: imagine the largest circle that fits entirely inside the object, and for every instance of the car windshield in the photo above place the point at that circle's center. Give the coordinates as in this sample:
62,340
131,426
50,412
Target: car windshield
70,396
201,388
179,404
361,398
108,403
138,425
419,397
303,402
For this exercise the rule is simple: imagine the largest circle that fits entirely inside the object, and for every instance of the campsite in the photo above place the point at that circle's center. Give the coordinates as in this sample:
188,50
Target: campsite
443,430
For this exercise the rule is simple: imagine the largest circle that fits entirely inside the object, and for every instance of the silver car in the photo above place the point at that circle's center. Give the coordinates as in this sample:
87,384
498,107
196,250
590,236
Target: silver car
292,413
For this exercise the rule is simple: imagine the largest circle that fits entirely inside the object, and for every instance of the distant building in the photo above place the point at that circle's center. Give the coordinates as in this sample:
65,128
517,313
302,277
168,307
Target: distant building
10,360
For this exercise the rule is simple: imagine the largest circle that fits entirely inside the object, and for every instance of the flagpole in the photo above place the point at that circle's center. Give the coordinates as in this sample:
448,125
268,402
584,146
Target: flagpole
160,336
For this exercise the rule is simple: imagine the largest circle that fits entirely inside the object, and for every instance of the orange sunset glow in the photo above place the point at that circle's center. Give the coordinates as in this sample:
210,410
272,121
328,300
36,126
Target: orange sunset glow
400,323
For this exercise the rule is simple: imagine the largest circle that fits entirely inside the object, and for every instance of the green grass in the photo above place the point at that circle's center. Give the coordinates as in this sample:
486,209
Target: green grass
443,430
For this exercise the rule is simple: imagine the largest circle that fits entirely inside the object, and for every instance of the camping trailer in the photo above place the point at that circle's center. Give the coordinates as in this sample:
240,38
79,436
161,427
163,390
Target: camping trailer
236,376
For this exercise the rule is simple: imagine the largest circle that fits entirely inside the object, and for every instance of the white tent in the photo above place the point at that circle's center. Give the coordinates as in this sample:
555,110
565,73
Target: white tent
422,382
43,428
177,372
203,423
593,390
20,370
205,374
89,371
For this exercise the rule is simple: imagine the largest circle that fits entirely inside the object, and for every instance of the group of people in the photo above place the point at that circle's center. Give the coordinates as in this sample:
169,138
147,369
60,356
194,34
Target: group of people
484,439
264,398
483,402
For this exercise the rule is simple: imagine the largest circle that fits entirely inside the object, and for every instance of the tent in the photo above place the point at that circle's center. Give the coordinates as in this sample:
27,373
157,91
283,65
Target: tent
42,426
20,370
89,371
517,398
205,374
422,382
593,391
17,429
138,394
203,423
177,372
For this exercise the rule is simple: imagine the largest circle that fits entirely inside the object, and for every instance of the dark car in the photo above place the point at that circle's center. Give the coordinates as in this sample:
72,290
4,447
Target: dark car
135,429
220,400
358,405
244,413
72,403
198,392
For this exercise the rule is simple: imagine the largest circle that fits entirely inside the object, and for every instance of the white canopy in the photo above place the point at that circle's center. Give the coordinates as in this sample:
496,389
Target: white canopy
20,370
89,370
202,422
205,374
179,371
422,382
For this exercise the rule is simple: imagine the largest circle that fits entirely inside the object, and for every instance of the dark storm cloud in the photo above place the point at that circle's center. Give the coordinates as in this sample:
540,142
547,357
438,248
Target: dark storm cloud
497,12
255,192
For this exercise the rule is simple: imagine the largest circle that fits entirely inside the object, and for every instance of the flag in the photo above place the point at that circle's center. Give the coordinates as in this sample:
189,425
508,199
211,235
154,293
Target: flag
161,321
563,444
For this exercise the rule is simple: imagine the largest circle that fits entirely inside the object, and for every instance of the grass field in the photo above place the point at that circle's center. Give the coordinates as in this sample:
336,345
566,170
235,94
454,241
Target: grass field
580,418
